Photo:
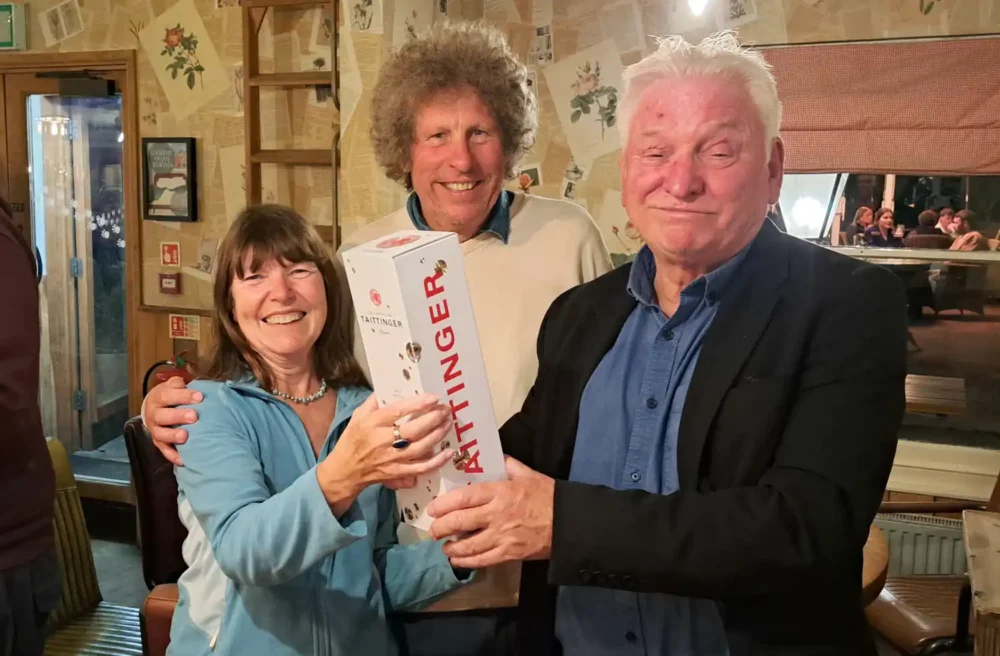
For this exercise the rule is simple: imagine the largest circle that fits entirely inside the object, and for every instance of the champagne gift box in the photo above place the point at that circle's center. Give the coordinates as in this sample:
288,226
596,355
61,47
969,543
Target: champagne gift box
415,316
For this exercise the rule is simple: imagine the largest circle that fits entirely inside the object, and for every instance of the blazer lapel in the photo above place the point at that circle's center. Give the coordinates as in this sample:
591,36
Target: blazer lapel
742,317
602,324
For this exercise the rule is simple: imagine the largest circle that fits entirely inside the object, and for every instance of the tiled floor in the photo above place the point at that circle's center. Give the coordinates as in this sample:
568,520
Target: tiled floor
119,573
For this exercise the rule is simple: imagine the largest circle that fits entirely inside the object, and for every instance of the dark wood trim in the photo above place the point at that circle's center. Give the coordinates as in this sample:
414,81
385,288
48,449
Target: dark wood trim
4,166
104,489
101,60
133,228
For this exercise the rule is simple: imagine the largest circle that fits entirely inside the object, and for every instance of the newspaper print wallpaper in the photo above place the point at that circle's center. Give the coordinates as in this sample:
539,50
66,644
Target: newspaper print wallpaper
575,49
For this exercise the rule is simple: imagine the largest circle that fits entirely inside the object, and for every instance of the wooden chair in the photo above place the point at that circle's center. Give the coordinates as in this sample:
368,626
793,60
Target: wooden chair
981,531
924,615
161,535
83,623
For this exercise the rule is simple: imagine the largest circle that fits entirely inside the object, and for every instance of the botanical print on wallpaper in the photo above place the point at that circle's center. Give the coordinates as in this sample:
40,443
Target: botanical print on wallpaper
410,18
734,13
585,90
363,15
321,34
621,237
184,59
61,22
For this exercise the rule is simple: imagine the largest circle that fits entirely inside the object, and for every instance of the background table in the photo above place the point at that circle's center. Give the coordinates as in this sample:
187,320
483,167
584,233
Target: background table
935,395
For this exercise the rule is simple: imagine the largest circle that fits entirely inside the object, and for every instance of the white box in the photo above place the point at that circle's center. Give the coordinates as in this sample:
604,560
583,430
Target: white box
413,307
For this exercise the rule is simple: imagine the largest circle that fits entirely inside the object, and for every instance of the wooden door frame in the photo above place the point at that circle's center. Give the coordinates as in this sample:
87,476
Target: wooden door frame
107,60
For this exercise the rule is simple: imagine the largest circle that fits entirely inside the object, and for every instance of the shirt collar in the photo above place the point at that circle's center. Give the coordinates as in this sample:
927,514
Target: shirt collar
497,223
710,286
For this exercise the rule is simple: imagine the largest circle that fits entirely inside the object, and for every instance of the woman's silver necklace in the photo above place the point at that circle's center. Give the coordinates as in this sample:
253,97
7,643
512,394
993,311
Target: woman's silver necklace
303,399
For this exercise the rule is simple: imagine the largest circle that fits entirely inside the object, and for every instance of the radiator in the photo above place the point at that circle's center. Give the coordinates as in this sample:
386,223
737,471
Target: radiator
921,544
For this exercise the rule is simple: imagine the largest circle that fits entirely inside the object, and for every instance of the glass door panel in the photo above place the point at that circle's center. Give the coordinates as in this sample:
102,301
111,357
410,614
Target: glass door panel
72,173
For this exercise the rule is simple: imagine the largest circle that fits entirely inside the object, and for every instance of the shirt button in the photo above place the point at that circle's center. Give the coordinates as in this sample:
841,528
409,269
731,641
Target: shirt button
630,637
650,403
668,335
636,477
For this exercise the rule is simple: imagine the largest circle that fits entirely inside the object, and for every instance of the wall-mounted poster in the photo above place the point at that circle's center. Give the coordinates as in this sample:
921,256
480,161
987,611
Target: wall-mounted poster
184,59
363,15
585,90
169,179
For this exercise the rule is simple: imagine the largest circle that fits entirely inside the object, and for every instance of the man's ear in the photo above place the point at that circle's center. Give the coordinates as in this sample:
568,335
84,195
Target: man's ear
775,170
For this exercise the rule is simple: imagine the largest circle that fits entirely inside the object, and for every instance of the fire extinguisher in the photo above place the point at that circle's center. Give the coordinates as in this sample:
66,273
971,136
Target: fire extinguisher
177,367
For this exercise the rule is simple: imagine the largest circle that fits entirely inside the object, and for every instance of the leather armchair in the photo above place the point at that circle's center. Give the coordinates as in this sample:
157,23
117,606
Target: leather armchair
924,615
161,535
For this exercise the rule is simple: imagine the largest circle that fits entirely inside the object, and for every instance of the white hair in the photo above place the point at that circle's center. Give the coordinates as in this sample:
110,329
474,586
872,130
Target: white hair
717,55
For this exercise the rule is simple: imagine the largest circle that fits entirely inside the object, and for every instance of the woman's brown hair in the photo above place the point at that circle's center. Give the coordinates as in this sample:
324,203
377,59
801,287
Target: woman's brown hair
882,211
278,232
860,213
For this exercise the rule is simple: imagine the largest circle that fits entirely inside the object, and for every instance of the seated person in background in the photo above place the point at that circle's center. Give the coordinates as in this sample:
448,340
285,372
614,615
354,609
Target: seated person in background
946,221
292,536
862,221
967,239
927,234
927,224
884,234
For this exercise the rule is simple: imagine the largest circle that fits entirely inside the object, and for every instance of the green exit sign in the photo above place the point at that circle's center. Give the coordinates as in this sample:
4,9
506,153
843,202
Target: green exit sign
12,26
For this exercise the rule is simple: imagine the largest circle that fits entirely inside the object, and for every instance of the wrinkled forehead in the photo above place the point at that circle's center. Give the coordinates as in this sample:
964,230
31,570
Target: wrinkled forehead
683,107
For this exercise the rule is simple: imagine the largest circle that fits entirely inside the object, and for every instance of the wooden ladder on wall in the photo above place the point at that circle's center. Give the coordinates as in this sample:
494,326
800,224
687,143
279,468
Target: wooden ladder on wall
254,12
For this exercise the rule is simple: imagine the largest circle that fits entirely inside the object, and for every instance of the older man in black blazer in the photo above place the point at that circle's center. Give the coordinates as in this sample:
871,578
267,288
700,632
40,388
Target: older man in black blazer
684,477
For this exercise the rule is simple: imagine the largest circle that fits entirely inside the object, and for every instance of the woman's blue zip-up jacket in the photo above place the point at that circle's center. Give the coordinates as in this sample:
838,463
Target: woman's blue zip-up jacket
271,571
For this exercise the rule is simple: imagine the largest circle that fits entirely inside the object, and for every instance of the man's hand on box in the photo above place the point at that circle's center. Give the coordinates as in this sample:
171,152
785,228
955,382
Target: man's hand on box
502,521
161,416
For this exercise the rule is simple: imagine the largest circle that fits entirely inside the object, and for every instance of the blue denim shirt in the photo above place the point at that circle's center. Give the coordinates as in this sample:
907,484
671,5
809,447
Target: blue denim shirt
497,223
629,418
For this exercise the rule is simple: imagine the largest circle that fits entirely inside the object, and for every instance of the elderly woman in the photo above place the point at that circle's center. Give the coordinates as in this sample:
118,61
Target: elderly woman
292,536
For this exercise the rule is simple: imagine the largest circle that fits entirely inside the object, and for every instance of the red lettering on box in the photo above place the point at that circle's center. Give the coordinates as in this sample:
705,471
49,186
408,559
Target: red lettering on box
430,284
448,333
455,408
442,311
473,466
461,428
444,339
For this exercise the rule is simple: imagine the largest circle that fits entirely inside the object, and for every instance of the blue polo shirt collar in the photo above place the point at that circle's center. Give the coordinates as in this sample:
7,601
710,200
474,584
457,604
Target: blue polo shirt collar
497,222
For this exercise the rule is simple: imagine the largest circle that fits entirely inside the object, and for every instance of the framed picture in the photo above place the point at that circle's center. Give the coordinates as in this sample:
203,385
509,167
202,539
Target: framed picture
169,179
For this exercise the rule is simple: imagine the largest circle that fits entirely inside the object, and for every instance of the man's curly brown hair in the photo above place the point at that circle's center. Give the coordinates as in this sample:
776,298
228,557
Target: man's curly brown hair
452,55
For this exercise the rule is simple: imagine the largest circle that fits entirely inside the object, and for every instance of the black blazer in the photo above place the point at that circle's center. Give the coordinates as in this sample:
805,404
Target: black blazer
778,485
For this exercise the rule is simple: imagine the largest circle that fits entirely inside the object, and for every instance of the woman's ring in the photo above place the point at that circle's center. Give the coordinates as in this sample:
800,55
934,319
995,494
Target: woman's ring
399,442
